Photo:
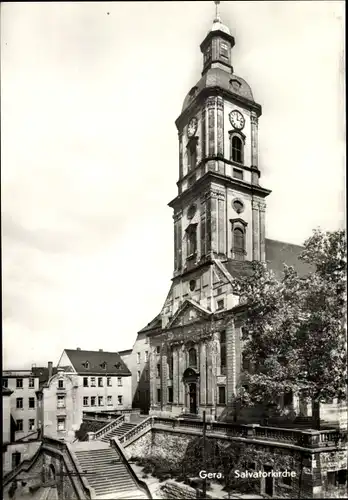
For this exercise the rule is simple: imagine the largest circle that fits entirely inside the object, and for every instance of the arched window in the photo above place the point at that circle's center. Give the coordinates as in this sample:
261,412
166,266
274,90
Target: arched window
170,364
51,473
192,357
223,352
238,243
236,149
192,155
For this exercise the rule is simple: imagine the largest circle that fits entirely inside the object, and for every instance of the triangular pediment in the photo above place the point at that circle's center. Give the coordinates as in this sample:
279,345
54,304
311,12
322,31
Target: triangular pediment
189,312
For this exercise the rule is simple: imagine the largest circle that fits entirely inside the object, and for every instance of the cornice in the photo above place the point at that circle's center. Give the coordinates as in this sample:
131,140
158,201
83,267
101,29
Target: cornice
198,187
207,92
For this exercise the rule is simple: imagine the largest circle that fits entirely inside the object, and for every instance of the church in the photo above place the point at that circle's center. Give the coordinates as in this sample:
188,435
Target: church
193,348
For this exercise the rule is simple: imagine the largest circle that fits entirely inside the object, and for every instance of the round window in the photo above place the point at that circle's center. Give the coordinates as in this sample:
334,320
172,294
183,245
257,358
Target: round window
192,285
238,206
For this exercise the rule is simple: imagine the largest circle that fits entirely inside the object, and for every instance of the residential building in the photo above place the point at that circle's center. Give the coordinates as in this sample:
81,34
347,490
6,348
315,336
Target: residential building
59,412
104,381
23,384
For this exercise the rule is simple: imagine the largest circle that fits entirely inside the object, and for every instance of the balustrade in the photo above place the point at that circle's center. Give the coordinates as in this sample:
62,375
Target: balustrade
108,427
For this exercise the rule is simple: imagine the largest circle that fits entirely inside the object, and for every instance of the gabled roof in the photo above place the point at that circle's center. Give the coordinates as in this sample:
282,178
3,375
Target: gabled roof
96,359
279,253
189,303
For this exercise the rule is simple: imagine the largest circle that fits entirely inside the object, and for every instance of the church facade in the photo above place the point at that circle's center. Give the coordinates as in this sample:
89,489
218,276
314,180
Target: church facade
195,343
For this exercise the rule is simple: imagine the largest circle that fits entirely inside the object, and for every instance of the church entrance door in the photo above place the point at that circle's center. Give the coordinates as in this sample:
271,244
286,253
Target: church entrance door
193,398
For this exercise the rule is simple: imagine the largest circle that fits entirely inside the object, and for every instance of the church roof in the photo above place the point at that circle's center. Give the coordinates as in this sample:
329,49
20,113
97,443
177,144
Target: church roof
96,359
155,323
279,253
217,77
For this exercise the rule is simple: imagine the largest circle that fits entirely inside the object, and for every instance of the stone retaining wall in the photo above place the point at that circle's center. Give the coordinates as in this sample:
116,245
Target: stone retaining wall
171,489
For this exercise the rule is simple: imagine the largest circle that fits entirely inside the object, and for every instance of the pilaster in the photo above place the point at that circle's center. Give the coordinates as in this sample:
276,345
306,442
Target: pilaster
255,230
181,372
211,125
209,348
204,132
203,376
220,127
254,139
164,379
230,363
181,163
175,376
153,376
221,223
262,211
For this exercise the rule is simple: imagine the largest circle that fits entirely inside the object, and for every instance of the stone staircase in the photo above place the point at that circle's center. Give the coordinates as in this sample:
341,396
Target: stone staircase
118,432
107,474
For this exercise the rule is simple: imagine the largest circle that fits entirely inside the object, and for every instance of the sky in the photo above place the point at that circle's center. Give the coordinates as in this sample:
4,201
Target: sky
89,152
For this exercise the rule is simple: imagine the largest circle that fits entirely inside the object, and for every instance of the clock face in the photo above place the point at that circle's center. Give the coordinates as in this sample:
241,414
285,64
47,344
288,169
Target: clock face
237,119
192,127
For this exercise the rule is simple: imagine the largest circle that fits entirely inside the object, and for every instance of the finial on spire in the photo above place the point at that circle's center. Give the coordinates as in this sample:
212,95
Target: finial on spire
217,17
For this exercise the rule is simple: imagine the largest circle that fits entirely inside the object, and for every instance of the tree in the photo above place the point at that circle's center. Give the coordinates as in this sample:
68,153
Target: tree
294,328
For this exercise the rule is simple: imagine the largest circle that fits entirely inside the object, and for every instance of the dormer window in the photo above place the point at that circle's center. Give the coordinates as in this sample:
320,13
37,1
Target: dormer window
193,92
117,366
104,365
86,364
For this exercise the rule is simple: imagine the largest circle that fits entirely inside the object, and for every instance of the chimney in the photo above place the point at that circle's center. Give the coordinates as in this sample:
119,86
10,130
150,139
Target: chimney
50,369
100,350
78,348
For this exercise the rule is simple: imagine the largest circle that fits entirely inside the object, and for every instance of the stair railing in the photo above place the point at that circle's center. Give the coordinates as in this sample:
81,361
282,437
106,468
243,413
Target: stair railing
147,423
109,427
115,443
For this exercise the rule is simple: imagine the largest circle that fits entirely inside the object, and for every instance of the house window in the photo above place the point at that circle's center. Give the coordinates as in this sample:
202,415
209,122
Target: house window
31,402
109,400
146,356
119,400
100,381
19,403
61,384
61,424
19,383
158,395
85,381
222,395
93,401
92,381
158,349
16,459
192,357
138,357
100,401
85,401
138,376
223,352
119,381
238,243
220,304
5,382
109,382
31,383
170,394
60,401
86,365
31,424
19,426
237,174
236,149
191,235
146,340
191,155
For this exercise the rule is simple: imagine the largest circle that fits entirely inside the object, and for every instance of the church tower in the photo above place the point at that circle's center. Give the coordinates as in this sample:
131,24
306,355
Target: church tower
219,212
